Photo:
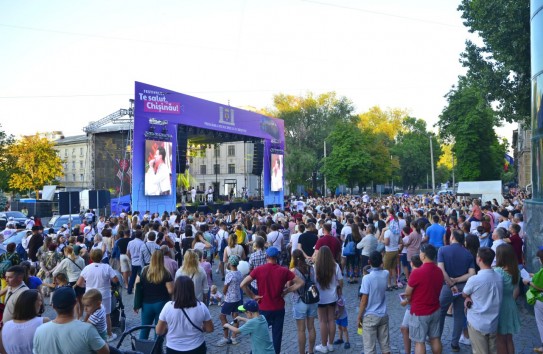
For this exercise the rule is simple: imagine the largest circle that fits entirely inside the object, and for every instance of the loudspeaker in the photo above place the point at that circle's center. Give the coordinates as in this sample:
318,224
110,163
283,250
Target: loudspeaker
258,158
68,203
99,199
181,156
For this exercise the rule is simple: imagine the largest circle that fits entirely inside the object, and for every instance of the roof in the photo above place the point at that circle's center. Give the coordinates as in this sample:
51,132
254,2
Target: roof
72,140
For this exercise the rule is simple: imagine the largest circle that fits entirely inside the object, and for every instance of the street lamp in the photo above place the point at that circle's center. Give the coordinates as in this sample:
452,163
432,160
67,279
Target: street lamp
432,164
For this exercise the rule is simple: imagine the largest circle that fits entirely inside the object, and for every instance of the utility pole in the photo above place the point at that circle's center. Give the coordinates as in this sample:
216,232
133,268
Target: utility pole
325,194
432,163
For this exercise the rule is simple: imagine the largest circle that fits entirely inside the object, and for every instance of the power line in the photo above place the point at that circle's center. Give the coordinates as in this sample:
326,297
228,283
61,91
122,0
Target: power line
383,13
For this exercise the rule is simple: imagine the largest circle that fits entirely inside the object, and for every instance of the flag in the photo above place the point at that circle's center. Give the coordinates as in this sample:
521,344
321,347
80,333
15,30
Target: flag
120,174
508,162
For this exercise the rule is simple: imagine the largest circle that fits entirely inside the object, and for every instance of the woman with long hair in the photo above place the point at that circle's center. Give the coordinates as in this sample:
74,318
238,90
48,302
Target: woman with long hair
329,283
26,319
200,243
157,285
303,313
233,249
352,262
191,268
184,320
509,322
72,265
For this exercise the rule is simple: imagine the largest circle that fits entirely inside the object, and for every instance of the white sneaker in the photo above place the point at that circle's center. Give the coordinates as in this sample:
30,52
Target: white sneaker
464,340
223,341
330,347
321,348
234,341
112,337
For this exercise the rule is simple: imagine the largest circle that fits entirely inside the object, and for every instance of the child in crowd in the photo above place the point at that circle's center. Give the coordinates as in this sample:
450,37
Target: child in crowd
59,281
95,313
232,299
341,321
484,240
404,327
216,297
204,263
255,325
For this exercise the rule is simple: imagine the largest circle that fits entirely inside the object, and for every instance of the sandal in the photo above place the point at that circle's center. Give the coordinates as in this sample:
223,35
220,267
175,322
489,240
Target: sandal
538,350
389,288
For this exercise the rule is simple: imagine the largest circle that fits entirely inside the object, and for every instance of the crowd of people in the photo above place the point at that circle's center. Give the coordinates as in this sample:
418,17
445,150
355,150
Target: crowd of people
443,255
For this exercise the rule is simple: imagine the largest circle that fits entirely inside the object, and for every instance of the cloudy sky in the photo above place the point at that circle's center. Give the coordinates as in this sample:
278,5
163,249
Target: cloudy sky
65,63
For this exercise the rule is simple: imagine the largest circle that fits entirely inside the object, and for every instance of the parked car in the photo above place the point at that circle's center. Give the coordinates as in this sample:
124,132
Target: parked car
52,220
445,192
19,218
65,219
16,238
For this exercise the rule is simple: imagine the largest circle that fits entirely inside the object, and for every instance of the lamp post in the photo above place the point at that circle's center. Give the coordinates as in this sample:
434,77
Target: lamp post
432,164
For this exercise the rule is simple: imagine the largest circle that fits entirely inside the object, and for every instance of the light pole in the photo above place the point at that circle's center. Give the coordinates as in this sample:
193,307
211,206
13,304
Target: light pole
432,164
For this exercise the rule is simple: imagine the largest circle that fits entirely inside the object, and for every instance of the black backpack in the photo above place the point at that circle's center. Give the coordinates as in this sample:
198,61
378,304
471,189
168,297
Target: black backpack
309,293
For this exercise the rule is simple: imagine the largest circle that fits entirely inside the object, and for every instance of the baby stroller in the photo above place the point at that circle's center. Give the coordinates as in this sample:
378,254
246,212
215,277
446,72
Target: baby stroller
118,317
141,346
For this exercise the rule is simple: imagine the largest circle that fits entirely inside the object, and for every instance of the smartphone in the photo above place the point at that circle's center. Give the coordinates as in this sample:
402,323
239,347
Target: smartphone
402,297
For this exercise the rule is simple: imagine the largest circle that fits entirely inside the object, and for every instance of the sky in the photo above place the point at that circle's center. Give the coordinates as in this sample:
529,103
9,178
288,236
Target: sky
66,63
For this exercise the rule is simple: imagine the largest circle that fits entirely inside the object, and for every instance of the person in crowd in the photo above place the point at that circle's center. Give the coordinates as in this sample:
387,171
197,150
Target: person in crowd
95,313
257,258
15,287
331,242
148,248
308,240
303,313
232,299
435,234
483,296
124,260
509,321
457,265
423,291
352,262
51,336
191,268
536,284
169,263
404,327
72,266
499,236
99,276
184,320
26,319
372,312
157,288
233,249
272,279
391,239
254,325
368,244
133,251
329,283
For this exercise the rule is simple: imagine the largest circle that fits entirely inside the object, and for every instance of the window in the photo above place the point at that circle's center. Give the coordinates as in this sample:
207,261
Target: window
217,151
202,186
73,177
231,150
80,164
73,166
73,151
65,152
81,178
231,168
217,169
203,169
80,151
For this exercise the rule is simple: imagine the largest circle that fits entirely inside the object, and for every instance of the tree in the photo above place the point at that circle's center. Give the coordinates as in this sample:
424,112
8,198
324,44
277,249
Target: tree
349,157
7,161
308,121
37,164
469,119
501,67
388,122
413,151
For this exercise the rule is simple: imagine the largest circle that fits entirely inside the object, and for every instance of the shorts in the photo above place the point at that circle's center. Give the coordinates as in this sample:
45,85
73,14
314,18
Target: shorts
79,291
333,304
125,263
229,308
406,317
342,322
301,310
405,262
391,260
422,326
107,304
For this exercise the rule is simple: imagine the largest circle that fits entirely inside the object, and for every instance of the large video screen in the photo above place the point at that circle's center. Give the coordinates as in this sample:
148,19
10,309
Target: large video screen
158,167
276,172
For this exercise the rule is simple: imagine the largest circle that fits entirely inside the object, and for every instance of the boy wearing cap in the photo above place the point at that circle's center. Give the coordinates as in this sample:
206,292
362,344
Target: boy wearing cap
232,299
255,325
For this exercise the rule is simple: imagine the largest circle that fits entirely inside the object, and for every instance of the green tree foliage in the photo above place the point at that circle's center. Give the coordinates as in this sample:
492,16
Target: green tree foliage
501,67
349,158
413,151
469,119
7,161
308,122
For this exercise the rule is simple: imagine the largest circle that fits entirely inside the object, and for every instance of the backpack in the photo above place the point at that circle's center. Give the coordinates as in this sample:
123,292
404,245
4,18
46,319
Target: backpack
5,265
349,249
310,293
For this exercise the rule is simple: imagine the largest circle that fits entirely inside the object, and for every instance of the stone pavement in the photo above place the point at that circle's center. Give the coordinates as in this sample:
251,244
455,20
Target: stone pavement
524,341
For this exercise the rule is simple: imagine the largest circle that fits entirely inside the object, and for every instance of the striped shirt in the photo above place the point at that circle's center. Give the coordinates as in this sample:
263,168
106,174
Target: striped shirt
98,319
256,259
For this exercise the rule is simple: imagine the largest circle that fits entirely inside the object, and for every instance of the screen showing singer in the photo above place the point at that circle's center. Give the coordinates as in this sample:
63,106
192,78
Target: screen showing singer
158,168
276,172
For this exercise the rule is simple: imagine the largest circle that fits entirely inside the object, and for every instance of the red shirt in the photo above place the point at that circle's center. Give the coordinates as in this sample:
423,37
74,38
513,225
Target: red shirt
426,282
516,243
332,243
271,279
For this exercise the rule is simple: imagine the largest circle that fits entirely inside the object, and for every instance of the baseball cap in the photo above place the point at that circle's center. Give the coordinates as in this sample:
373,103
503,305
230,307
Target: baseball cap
64,298
64,226
250,305
272,252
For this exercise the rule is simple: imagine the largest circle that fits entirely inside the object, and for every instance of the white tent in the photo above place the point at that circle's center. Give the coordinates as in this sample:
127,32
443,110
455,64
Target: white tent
487,190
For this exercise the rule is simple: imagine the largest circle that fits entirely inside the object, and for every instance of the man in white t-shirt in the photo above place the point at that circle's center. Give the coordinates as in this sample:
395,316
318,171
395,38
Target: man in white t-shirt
275,238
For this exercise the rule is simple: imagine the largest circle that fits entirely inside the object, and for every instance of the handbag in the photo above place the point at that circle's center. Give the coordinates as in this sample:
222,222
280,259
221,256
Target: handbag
138,292
349,249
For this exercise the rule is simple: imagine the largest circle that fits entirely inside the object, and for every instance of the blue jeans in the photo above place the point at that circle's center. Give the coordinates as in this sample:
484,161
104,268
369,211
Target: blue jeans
275,320
136,270
446,298
149,315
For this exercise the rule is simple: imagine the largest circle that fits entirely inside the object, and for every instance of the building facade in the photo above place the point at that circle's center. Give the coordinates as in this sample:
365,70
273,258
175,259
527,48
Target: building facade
75,154
522,141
